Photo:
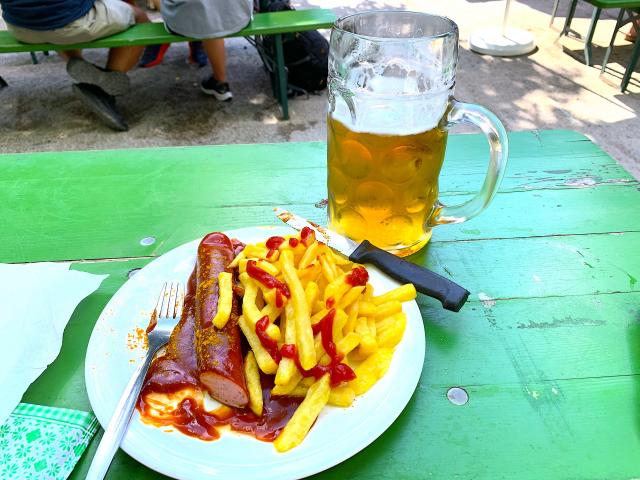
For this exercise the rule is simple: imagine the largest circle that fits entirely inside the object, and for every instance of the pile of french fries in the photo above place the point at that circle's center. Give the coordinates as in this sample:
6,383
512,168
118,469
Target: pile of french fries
365,329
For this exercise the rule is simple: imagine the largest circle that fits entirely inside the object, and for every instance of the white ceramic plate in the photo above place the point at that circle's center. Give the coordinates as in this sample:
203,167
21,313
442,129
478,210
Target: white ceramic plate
338,434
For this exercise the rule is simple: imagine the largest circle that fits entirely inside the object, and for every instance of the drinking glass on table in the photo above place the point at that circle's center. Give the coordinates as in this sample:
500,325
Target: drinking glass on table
391,80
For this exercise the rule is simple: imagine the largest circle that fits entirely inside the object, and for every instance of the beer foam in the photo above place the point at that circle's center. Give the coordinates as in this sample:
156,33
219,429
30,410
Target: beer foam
391,106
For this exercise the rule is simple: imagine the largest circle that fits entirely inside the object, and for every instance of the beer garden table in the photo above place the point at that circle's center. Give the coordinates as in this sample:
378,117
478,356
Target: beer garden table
547,348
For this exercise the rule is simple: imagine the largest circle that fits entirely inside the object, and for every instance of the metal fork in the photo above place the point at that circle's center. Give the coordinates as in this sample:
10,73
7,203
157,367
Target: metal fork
165,316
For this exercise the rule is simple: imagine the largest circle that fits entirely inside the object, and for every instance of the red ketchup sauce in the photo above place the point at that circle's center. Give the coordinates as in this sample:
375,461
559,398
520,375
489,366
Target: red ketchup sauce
307,236
268,281
273,243
338,372
191,419
358,277
269,344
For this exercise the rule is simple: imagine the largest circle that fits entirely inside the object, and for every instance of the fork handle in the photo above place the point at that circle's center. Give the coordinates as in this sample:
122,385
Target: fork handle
117,426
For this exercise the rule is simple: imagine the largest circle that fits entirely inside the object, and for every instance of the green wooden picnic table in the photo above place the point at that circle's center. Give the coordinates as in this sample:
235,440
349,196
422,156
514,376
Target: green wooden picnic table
548,347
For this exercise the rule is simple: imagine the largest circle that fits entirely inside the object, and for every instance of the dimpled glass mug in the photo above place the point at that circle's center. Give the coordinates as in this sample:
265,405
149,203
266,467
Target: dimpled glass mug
391,80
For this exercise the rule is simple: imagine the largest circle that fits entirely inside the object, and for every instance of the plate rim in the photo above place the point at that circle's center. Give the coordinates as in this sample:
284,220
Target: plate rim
275,471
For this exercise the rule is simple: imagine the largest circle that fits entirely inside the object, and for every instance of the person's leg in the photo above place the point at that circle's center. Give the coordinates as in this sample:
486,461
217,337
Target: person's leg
215,51
123,59
69,54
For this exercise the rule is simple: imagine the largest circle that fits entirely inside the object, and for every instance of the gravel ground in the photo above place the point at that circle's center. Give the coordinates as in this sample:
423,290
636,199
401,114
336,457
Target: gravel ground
549,89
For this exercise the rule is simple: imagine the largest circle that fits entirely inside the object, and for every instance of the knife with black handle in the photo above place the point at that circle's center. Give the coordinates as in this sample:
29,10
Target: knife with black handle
451,295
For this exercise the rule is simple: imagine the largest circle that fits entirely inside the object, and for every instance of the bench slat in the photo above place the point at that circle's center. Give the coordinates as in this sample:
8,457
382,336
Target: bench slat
155,33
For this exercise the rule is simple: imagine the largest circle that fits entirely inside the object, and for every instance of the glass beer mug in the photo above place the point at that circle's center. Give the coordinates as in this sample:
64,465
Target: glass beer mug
391,80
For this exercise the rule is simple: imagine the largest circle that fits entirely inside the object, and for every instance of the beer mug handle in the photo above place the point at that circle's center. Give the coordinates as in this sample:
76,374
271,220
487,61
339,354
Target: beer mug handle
499,146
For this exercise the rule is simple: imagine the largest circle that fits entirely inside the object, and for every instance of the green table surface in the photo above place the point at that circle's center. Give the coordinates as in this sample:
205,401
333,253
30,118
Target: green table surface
548,347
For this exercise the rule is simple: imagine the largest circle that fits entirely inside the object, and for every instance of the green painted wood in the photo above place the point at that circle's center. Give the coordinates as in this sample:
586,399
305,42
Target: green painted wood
155,33
615,3
497,352
548,347
74,194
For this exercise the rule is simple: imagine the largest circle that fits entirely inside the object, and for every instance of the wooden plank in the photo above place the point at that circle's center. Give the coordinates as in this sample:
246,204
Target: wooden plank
564,379
529,341
585,428
155,33
147,192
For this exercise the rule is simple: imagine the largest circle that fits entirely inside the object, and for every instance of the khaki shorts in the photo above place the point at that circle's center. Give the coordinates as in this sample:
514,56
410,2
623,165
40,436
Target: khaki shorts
105,18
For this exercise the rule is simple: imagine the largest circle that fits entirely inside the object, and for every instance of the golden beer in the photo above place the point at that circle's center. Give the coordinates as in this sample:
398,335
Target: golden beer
383,187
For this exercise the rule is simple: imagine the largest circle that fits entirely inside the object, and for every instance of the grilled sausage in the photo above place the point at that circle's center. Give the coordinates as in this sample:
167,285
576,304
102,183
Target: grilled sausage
177,368
218,351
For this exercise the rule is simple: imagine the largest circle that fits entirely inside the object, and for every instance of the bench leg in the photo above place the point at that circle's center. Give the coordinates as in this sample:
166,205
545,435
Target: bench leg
281,77
632,64
607,54
567,21
554,12
34,58
3,84
592,29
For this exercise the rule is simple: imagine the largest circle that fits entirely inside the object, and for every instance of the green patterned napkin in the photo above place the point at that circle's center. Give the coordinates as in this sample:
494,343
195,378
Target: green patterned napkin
43,443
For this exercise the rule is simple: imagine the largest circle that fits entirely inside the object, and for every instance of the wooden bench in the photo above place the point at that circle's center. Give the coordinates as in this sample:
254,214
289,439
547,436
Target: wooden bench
598,6
276,24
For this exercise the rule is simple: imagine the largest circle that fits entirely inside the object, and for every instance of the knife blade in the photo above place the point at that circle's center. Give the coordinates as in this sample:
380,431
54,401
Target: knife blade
451,295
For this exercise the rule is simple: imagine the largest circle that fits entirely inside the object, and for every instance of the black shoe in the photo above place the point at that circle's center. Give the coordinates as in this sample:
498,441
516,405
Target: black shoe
113,83
102,104
221,91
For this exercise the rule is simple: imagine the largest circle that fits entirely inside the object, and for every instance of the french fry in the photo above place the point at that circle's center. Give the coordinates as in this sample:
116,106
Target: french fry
388,308
338,324
368,344
392,334
287,367
304,417
288,387
352,312
350,297
252,376
271,311
309,256
336,289
250,310
367,308
327,269
342,396
225,299
304,334
256,251
371,323
371,370
235,262
311,293
264,360
404,293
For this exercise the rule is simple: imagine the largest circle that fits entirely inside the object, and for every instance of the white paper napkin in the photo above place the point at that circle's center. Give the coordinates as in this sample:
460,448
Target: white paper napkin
36,302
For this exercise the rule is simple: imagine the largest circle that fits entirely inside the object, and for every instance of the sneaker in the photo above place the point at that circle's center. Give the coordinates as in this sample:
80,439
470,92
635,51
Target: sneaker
113,83
102,104
197,55
153,55
221,91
